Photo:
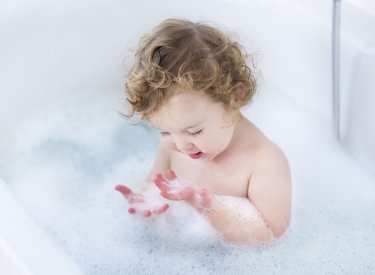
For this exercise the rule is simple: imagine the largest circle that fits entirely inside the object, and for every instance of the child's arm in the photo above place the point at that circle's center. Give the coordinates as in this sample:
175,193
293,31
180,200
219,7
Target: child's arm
234,217
237,219
161,162
269,194
270,189
260,217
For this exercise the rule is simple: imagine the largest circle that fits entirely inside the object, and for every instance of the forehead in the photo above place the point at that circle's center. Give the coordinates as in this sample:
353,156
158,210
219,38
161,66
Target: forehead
184,109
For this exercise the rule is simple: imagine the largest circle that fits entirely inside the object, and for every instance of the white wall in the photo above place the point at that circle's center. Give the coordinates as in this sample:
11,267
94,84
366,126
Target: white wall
358,81
50,50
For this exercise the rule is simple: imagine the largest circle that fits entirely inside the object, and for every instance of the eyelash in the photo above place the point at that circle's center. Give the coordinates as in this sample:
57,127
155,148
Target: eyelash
192,134
196,133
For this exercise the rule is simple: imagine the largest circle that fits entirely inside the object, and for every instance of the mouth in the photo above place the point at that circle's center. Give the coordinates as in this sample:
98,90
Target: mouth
196,155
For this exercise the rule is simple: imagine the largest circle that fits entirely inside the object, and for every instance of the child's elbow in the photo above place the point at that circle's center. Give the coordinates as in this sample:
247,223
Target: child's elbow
280,228
268,233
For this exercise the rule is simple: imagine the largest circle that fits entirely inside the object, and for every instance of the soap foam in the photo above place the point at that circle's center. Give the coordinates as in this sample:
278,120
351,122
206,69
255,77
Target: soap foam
245,218
64,162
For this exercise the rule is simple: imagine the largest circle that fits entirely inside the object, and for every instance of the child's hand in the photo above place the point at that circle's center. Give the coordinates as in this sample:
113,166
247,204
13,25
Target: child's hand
173,189
141,204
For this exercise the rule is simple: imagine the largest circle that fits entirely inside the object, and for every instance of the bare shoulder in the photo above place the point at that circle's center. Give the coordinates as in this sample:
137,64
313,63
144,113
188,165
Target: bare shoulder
270,186
271,160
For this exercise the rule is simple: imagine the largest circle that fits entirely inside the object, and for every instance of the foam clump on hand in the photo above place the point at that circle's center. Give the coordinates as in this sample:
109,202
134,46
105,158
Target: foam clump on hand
177,185
182,221
183,224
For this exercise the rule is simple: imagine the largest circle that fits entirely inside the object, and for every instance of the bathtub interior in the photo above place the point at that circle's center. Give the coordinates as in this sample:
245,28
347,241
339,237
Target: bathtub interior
357,81
24,247
65,136
70,167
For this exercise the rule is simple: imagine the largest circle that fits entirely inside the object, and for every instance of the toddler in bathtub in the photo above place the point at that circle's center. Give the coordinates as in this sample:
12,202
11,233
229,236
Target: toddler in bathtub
189,81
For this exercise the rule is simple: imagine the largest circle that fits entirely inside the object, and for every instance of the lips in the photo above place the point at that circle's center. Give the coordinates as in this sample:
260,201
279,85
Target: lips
196,155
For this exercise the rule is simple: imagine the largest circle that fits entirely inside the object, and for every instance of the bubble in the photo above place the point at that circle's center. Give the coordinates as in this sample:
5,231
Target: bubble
64,170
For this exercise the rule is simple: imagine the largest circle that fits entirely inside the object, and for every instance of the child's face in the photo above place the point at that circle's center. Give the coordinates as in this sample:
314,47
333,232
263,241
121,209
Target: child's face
193,124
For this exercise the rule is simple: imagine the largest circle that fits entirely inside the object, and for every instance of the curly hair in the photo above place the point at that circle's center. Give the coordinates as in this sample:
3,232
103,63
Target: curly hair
193,56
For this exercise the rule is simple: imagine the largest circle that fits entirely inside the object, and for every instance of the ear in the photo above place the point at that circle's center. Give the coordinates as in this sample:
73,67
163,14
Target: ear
239,92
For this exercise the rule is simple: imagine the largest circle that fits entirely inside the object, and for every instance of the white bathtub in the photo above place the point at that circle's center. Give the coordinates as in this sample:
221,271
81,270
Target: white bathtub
50,51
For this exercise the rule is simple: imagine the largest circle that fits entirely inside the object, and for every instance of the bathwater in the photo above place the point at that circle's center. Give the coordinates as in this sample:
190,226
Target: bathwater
63,162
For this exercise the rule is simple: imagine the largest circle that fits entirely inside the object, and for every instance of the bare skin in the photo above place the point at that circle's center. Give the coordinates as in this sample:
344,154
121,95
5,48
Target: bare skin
220,156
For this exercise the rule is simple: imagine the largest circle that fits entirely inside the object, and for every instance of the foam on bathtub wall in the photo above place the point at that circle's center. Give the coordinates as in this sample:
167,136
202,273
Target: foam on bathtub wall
24,249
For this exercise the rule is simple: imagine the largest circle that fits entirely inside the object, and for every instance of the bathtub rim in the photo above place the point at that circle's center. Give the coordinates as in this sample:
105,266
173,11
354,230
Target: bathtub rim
26,249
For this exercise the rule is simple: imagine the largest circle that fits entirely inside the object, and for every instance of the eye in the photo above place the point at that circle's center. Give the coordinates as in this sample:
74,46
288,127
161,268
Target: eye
164,133
197,133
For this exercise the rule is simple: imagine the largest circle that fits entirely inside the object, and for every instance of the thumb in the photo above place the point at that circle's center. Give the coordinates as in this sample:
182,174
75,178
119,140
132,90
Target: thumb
124,190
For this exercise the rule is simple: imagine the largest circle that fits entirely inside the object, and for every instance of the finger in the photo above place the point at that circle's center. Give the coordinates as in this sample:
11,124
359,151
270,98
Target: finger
171,196
184,194
161,183
124,190
172,175
131,210
162,209
160,177
147,213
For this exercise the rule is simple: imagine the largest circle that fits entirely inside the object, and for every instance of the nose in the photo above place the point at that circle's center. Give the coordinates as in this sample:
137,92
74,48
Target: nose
182,143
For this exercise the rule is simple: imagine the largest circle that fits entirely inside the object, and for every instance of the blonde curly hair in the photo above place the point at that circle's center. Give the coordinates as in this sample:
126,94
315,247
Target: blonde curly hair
193,56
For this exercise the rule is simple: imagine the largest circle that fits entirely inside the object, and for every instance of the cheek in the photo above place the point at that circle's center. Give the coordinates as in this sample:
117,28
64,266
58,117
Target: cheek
208,142
221,138
170,143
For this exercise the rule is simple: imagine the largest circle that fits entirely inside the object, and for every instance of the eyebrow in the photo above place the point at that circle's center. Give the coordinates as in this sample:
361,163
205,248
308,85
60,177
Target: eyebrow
184,129
193,126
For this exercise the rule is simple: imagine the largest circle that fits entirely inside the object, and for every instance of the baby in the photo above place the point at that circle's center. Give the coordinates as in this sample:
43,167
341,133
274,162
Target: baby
189,81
